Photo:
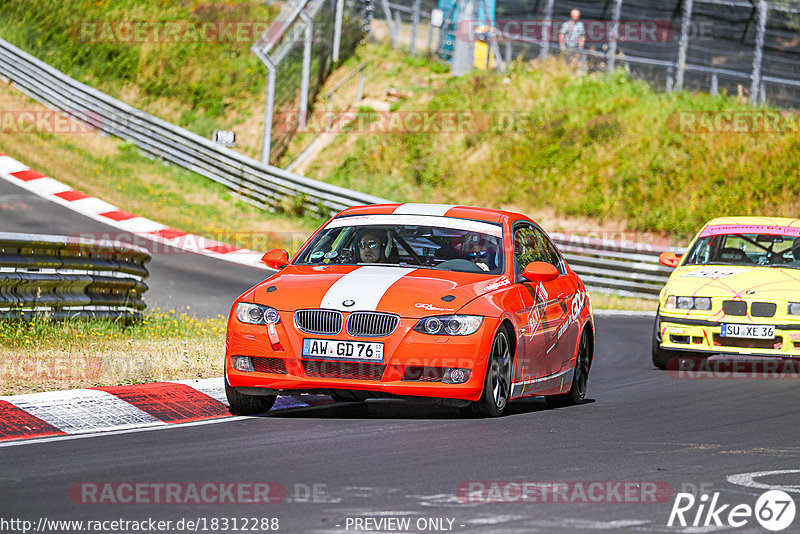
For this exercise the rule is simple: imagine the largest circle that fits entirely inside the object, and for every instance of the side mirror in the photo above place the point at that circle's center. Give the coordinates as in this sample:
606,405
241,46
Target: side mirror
276,259
540,271
670,259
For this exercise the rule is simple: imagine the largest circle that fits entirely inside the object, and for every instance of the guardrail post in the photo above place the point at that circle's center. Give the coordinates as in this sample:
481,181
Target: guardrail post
546,25
361,84
412,47
612,45
463,46
309,35
268,105
755,76
683,44
389,22
337,30
397,23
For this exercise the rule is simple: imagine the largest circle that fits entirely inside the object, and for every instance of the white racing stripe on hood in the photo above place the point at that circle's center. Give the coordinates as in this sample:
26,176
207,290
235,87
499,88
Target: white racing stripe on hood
366,286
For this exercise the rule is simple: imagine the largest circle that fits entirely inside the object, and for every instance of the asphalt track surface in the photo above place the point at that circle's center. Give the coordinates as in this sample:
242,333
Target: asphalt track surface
177,278
388,459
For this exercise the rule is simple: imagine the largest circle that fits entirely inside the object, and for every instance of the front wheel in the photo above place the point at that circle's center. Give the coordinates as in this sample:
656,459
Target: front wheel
580,380
497,384
241,404
660,357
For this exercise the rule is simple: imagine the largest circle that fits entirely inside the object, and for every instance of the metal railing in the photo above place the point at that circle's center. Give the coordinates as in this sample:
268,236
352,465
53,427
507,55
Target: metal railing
266,186
64,277
624,268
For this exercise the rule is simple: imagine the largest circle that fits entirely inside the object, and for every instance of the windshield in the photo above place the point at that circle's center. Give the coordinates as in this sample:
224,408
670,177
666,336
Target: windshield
441,243
746,249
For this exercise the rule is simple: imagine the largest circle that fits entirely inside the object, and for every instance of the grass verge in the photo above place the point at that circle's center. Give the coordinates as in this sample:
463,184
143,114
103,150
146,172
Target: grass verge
45,355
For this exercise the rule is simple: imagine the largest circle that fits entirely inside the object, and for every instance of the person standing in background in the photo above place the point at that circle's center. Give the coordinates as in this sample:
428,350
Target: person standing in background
572,38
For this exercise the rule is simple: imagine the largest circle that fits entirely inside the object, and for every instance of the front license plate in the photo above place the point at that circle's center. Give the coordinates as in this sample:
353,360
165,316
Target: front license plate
331,349
753,331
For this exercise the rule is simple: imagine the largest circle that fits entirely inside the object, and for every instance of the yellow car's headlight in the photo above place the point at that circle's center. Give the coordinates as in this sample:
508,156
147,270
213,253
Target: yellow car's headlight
688,303
794,308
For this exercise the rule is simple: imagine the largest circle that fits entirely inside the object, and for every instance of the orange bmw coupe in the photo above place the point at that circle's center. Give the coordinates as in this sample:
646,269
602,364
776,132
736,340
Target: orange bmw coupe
462,306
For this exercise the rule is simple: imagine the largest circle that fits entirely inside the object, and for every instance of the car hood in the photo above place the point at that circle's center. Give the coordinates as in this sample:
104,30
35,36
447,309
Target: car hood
407,292
744,281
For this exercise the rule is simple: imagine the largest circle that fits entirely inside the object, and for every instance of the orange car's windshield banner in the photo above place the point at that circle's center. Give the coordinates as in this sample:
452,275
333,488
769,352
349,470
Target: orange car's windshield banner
721,229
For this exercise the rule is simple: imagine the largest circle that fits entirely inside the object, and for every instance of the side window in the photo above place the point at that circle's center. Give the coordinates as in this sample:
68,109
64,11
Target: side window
531,244
551,253
527,247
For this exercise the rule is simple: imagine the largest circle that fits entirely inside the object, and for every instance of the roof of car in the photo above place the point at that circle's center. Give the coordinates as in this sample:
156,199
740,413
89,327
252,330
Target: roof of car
755,221
443,210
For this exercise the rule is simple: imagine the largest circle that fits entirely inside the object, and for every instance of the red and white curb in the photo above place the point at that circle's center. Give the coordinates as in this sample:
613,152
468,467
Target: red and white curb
37,183
115,408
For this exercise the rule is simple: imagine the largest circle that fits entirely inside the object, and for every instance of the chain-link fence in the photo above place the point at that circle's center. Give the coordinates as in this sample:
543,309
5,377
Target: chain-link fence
299,51
744,47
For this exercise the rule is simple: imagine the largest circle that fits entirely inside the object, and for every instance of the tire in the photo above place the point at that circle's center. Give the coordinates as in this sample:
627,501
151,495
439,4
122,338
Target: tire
241,404
580,380
660,356
497,382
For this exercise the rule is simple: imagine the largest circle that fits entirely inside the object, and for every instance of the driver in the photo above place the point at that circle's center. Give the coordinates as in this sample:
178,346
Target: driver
370,246
482,254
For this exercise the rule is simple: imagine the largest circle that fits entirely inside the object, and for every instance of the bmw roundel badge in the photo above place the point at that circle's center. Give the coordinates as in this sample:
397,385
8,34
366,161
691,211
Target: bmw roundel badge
348,303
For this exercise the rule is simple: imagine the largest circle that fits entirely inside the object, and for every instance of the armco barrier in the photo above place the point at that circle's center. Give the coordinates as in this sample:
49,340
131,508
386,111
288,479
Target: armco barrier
268,186
66,277
625,268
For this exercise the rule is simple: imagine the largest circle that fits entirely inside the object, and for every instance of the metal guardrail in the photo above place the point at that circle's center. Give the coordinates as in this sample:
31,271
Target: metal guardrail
64,277
266,185
624,268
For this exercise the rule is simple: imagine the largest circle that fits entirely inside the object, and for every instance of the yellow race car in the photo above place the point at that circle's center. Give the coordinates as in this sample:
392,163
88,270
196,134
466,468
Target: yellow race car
735,292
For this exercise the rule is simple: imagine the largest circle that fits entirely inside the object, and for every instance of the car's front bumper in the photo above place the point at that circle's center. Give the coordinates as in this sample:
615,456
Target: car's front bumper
699,335
286,371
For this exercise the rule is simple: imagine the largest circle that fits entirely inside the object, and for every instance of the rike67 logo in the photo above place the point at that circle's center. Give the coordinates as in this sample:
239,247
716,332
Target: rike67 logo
774,510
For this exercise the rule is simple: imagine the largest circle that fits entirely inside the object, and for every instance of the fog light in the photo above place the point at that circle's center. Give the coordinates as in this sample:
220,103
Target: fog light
455,376
242,363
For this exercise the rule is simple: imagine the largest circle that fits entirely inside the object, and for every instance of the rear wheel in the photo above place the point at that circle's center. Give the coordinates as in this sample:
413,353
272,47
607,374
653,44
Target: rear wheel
497,383
241,404
580,380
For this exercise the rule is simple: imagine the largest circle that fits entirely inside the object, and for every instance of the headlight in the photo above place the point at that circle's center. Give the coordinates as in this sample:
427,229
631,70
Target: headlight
702,303
449,325
794,308
688,303
256,314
